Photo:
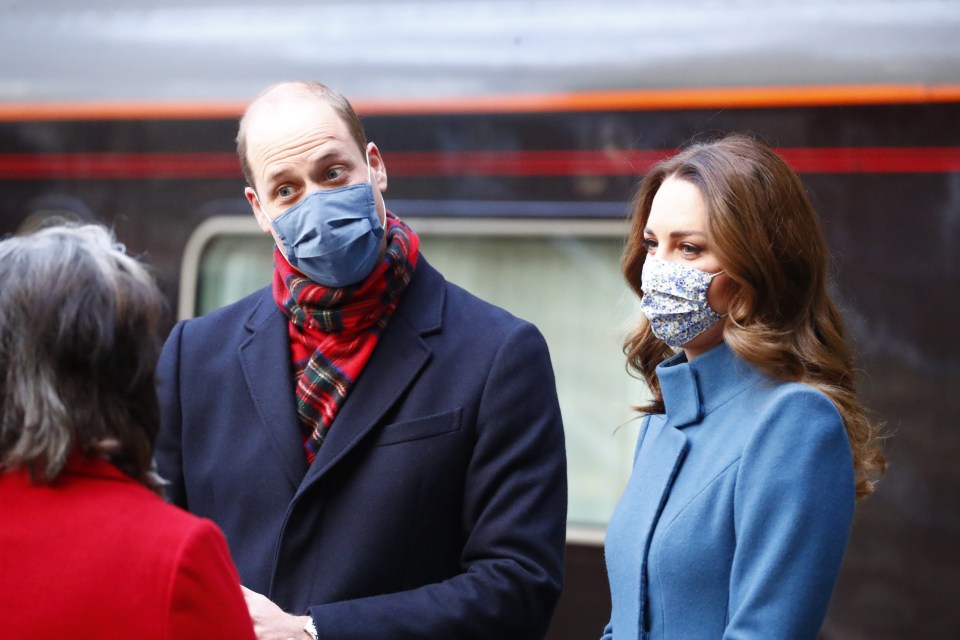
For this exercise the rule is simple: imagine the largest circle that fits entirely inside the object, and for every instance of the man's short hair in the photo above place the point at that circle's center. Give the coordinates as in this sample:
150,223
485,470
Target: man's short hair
341,106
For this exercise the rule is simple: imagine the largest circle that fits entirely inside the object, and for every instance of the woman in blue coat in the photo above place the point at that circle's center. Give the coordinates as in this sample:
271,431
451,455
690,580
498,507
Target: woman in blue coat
754,446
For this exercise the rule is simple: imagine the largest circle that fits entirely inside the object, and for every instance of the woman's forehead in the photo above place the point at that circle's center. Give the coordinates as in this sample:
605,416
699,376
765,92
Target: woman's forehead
678,204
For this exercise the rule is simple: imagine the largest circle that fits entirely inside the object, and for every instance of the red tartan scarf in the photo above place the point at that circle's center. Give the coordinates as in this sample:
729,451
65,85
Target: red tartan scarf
333,331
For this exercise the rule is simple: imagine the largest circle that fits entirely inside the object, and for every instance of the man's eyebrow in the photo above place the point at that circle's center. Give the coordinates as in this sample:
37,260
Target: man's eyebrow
327,156
275,176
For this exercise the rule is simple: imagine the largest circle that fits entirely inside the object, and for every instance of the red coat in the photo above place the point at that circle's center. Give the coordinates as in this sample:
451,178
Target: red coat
98,556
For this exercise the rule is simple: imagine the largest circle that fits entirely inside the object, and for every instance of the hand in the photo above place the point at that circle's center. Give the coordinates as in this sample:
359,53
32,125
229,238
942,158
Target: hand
270,622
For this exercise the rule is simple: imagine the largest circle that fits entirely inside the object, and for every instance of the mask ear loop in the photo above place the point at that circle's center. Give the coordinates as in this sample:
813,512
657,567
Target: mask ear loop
712,276
383,225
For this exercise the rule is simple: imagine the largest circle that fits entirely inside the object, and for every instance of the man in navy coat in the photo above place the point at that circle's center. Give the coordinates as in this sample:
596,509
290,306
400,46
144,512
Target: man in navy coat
409,482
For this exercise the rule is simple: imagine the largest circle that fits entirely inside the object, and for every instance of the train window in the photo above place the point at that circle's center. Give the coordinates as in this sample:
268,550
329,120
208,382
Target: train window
562,276
232,267
226,258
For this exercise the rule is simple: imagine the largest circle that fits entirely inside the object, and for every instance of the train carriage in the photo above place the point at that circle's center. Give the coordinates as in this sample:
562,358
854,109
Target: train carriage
514,134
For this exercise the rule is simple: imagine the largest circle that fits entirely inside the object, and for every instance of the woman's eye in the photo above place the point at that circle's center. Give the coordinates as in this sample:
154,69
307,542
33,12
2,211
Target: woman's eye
689,249
649,245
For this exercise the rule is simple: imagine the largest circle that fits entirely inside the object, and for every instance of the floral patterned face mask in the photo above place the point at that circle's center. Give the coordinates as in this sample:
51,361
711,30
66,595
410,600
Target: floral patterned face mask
675,300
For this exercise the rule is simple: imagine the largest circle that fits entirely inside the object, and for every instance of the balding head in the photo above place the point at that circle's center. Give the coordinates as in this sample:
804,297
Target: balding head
283,92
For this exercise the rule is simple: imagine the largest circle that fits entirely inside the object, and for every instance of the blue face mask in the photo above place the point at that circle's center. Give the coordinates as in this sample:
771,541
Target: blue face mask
333,236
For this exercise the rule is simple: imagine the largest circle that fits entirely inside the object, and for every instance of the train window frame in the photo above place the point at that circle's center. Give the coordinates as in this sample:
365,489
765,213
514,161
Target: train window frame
218,226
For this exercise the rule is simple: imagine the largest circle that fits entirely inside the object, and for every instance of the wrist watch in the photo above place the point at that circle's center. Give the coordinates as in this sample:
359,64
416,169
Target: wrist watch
310,629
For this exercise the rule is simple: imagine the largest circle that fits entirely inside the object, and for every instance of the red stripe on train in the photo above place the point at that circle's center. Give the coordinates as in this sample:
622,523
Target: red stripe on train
207,165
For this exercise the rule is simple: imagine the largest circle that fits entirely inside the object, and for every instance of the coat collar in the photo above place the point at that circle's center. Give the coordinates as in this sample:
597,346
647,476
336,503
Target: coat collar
79,467
82,464
691,389
422,302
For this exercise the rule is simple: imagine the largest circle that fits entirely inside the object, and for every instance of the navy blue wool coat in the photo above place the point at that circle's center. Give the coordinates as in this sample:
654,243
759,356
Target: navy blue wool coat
436,506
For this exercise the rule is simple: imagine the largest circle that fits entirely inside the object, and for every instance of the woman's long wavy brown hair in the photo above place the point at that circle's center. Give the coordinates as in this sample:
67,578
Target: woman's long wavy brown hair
768,240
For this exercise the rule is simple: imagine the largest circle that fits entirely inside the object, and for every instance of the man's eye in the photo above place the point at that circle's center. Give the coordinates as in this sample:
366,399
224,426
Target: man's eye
333,174
285,192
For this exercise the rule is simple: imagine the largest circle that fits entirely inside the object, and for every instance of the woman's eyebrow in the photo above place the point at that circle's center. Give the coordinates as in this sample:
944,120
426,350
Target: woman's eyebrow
683,233
680,233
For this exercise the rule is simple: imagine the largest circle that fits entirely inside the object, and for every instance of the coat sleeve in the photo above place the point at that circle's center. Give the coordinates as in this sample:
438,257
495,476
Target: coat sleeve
515,517
793,507
205,600
167,452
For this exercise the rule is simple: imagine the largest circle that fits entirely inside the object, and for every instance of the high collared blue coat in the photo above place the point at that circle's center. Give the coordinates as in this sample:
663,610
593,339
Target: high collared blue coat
734,522
436,506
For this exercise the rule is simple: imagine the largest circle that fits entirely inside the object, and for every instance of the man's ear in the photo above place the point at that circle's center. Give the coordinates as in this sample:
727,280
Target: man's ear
262,220
377,167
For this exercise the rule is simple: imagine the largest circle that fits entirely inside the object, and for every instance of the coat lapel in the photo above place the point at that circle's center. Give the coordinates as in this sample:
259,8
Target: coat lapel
658,462
265,359
399,356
